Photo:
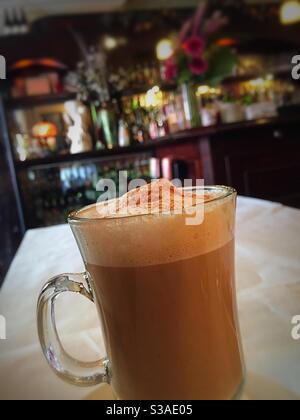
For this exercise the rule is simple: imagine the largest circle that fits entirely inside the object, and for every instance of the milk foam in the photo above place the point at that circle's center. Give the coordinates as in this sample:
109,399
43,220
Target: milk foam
111,239
157,197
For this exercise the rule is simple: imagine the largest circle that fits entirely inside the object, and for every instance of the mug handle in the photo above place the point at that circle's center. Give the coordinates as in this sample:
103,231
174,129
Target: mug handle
66,367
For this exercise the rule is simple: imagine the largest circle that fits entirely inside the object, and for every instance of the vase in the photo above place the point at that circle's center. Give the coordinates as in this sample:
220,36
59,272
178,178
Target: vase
190,105
109,124
232,113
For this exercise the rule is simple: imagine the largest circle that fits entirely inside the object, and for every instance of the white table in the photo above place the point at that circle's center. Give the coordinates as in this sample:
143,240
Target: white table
268,274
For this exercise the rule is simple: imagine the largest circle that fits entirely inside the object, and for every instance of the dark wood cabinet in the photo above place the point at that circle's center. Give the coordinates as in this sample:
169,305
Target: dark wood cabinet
11,227
260,161
9,221
186,159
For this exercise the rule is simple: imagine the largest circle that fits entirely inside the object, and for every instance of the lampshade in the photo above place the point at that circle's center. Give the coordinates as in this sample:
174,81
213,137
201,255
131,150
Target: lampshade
226,42
42,62
44,130
290,12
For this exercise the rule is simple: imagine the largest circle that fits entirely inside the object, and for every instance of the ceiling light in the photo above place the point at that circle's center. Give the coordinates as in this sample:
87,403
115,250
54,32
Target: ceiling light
109,43
44,130
290,12
164,49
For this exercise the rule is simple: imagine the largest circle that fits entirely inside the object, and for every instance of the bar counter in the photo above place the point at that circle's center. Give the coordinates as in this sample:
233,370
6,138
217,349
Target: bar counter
179,138
259,158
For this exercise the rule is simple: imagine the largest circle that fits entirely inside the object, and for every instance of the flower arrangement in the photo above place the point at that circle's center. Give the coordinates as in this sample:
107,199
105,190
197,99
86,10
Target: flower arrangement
197,58
92,78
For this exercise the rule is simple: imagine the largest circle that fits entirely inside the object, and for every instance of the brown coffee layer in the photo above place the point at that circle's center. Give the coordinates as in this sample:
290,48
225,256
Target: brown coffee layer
171,330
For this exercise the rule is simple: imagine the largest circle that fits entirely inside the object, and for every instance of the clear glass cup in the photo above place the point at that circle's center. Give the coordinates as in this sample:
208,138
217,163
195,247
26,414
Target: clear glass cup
165,293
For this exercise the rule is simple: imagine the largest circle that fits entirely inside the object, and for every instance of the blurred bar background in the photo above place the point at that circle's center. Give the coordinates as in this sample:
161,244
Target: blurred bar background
92,89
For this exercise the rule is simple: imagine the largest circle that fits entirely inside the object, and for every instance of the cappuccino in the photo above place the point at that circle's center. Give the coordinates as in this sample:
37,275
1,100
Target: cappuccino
165,292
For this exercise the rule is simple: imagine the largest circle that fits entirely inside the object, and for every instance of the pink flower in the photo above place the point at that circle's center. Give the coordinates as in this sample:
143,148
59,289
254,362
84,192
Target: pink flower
198,66
194,46
216,22
170,72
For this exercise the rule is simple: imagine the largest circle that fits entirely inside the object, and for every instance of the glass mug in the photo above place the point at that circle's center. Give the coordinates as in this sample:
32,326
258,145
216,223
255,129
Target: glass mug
166,297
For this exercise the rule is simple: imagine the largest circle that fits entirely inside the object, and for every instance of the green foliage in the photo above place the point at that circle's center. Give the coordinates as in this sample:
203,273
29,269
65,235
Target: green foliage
183,62
248,100
222,61
229,99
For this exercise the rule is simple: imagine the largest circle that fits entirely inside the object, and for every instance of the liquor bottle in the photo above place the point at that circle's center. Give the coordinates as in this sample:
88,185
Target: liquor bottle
140,75
155,78
140,133
108,123
123,133
24,27
180,116
133,77
153,127
163,126
7,29
171,114
148,80
15,27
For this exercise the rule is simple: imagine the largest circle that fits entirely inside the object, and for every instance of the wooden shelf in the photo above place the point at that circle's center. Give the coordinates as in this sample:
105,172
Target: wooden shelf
252,76
83,157
180,137
39,100
139,90
32,101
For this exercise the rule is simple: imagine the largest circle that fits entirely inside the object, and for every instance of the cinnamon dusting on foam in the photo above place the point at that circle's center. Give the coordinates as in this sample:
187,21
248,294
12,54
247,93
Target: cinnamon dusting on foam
158,197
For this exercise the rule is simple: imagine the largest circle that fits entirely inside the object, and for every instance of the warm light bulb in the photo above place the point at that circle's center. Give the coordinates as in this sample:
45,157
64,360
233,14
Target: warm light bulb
203,90
164,49
109,43
44,130
153,98
290,12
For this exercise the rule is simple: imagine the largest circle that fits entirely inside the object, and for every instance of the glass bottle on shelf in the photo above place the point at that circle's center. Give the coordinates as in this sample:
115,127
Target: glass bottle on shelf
108,123
153,127
155,78
140,75
162,122
148,79
180,112
24,22
133,77
123,133
15,26
171,113
138,127
7,25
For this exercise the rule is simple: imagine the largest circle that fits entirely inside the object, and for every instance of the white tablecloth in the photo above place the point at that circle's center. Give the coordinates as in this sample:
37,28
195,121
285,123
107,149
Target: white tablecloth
268,275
